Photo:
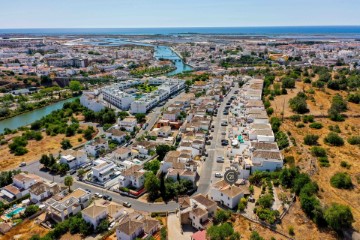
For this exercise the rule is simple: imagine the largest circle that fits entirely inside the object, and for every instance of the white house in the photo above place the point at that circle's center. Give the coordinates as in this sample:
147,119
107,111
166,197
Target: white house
130,229
227,195
74,158
121,153
61,207
128,124
43,190
116,134
102,209
133,176
164,131
263,160
20,186
95,146
88,99
103,171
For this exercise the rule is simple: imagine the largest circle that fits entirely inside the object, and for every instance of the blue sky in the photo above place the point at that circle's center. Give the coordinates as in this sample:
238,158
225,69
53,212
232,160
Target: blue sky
175,13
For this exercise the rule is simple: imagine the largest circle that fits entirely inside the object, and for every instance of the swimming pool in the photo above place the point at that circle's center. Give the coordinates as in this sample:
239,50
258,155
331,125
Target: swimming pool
16,211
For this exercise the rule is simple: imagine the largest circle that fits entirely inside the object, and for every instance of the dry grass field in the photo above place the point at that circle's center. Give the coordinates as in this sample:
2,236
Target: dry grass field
49,144
318,107
24,231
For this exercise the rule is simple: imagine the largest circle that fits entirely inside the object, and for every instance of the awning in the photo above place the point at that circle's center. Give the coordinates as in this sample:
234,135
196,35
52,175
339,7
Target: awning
6,193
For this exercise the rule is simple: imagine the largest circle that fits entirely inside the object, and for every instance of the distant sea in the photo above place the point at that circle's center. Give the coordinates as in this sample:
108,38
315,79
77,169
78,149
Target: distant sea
335,31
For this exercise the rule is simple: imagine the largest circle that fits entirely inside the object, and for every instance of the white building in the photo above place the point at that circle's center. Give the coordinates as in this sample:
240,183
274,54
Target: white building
117,98
89,100
103,170
227,195
73,158
95,146
128,124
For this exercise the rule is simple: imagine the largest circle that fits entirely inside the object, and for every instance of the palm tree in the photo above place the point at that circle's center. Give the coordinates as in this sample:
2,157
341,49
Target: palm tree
68,181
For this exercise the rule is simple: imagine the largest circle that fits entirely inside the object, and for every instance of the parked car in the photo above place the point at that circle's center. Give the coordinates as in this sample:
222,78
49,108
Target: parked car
127,204
224,123
107,197
23,164
224,142
223,133
220,159
88,190
72,171
218,175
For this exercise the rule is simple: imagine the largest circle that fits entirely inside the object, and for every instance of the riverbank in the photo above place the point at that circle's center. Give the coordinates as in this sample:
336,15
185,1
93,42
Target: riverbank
29,117
26,111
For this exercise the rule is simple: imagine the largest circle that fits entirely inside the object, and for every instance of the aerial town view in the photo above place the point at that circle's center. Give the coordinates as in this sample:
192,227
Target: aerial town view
126,120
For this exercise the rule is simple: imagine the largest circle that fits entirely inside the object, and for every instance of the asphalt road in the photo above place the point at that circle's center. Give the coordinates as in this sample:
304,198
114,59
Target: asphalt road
210,166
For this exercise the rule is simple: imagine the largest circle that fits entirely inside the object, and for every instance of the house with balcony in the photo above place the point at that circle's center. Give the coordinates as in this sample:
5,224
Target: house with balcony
128,124
20,186
95,146
103,171
226,194
100,210
74,158
61,207
133,176
140,226
116,135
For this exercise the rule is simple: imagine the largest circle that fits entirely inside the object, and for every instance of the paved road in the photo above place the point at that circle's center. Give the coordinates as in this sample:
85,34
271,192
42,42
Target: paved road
210,166
35,168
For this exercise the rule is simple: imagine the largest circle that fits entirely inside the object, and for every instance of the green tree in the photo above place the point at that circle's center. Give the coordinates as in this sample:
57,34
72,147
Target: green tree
339,217
311,139
298,103
153,166
152,185
75,86
68,181
123,114
334,139
140,117
162,150
255,236
65,144
31,210
341,180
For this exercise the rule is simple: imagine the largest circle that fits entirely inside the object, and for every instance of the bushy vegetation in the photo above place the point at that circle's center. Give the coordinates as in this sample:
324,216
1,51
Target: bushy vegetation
308,118
354,140
222,231
298,103
339,217
316,125
338,106
311,139
333,139
6,177
282,140
341,180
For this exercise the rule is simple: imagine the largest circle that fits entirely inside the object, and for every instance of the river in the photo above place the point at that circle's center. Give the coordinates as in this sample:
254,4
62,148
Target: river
30,117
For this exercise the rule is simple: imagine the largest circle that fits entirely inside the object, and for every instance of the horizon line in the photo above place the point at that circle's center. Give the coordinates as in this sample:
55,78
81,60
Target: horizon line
264,26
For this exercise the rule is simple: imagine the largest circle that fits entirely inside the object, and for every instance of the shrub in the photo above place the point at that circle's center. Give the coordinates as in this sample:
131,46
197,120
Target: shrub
354,140
311,139
316,125
335,128
298,103
324,161
290,160
291,231
334,139
308,118
339,216
318,151
341,180
270,111
295,118
345,164
282,140
265,201
300,125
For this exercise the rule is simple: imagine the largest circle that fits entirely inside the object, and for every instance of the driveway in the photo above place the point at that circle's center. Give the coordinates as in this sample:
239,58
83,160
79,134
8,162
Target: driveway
174,228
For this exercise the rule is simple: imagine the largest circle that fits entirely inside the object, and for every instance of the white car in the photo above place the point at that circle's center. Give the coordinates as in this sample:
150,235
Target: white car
218,175
220,159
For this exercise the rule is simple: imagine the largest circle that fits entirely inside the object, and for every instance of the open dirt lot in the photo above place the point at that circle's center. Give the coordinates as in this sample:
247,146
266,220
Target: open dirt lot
348,153
25,230
49,144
